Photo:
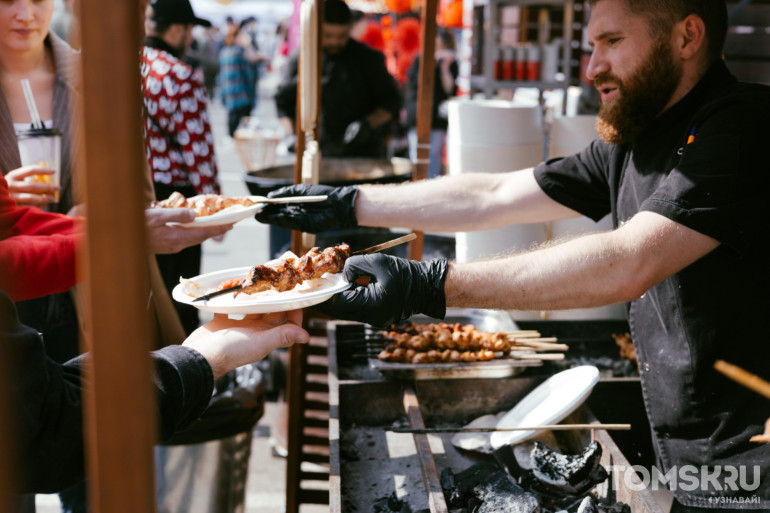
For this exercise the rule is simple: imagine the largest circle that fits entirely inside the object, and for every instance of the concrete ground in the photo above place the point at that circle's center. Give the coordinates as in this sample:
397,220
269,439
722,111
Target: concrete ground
245,245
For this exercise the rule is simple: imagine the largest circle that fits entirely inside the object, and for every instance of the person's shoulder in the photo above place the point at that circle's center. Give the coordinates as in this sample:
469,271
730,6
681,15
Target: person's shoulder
358,48
165,63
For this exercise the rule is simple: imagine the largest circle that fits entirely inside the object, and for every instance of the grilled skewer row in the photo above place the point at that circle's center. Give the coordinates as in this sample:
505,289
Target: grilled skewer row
401,355
441,336
203,204
286,274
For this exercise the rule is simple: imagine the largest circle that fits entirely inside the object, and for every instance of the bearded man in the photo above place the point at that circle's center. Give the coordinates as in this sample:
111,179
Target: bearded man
681,167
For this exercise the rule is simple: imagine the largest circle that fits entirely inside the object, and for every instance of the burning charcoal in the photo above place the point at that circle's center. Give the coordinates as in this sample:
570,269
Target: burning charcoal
618,507
568,474
588,506
391,504
486,488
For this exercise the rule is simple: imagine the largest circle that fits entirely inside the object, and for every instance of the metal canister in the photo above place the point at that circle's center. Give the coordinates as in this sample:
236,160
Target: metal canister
533,63
521,63
509,58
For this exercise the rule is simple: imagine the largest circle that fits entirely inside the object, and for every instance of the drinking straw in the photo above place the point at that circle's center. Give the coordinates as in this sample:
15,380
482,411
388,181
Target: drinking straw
31,106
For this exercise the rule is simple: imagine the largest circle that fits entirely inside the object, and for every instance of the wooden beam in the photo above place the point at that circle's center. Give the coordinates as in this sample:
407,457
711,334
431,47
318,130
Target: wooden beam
119,415
424,106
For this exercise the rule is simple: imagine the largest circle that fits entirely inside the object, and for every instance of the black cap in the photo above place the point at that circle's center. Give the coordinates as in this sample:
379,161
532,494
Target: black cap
176,11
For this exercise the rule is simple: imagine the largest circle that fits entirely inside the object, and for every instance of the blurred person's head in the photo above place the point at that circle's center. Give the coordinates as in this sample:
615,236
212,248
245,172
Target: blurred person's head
445,40
358,23
648,54
173,22
335,32
24,24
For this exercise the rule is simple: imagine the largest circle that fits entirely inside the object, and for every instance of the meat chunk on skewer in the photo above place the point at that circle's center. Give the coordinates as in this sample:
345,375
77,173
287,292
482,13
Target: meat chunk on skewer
203,204
286,274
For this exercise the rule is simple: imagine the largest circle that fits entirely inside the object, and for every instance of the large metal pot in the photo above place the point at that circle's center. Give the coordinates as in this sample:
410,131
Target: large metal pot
333,171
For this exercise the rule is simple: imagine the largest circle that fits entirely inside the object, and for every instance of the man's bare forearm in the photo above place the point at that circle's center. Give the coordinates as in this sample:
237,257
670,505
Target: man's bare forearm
592,270
457,203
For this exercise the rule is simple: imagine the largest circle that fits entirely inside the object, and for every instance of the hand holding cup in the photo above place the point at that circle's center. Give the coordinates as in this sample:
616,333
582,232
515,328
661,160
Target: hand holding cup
33,184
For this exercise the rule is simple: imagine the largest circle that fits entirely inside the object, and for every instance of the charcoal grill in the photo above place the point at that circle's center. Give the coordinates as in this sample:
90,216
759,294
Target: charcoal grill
369,463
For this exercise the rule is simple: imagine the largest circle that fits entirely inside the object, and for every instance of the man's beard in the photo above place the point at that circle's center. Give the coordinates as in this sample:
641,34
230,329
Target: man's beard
641,97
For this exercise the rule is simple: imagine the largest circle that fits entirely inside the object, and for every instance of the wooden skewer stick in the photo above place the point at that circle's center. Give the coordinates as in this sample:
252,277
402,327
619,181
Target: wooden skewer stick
534,339
523,334
541,345
743,377
554,427
536,356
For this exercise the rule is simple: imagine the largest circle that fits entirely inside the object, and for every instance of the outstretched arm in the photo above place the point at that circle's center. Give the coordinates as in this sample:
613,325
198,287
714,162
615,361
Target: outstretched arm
467,202
588,271
593,270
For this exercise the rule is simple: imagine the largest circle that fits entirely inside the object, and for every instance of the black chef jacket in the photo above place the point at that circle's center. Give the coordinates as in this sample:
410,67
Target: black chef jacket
716,308
45,414
354,83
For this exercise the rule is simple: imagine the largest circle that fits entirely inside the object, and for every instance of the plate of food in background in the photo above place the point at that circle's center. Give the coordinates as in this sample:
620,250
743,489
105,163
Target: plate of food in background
216,209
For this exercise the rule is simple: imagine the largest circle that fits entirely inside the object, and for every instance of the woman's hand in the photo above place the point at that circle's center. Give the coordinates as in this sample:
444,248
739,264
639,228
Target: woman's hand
228,344
164,239
35,192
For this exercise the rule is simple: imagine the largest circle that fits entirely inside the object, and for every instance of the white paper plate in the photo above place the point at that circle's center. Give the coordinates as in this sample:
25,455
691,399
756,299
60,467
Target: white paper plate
229,215
549,403
307,294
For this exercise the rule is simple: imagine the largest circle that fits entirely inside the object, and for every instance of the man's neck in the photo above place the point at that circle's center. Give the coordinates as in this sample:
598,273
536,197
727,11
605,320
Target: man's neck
161,43
693,73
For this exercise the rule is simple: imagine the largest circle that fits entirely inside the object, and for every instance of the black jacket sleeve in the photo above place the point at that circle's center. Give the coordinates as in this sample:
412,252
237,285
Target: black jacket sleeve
45,413
286,94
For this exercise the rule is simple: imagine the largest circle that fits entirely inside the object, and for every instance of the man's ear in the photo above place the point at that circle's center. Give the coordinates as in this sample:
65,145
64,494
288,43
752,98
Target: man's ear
690,37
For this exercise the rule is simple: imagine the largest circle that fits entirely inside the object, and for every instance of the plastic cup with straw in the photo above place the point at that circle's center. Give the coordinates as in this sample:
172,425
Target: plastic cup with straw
40,146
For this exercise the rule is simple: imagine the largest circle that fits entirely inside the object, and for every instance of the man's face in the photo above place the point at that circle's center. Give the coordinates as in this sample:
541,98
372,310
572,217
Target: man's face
334,37
635,74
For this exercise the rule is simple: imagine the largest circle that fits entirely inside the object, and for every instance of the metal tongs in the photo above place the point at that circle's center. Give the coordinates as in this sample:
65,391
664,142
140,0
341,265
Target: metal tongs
367,251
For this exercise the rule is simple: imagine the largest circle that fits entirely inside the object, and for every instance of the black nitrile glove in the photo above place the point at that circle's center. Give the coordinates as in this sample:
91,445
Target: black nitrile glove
337,212
398,288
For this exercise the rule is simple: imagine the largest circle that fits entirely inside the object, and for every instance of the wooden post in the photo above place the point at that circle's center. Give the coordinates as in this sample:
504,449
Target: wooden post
424,106
295,389
119,415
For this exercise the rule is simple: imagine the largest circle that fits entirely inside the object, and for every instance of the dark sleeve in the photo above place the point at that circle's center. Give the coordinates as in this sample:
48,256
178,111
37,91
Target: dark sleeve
46,406
410,92
384,87
721,185
579,181
286,94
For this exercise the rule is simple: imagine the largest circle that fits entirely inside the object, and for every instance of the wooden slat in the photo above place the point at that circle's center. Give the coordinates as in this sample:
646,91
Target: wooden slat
119,444
436,500
424,106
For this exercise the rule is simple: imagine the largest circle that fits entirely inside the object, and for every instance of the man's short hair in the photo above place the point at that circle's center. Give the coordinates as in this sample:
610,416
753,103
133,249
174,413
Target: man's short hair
663,14
337,12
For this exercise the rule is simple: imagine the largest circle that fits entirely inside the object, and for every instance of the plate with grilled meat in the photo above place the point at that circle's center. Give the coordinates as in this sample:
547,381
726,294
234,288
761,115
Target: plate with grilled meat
286,283
214,209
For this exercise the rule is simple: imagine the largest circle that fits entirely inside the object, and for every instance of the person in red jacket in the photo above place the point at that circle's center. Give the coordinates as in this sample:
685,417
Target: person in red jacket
43,244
